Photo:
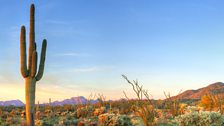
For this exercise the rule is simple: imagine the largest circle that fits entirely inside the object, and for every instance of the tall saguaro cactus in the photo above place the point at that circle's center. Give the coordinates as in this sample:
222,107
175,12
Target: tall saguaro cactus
30,73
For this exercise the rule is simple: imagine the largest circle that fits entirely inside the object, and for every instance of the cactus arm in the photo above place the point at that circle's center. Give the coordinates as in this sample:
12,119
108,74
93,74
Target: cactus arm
23,63
42,60
34,64
31,35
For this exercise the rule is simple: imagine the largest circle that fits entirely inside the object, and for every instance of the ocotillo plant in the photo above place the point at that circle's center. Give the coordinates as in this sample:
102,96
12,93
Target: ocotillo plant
30,73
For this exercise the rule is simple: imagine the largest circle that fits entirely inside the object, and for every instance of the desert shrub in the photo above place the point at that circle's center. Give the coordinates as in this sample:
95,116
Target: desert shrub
4,115
99,111
136,120
38,122
105,119
90,121
172,105
68,120
122,106
122,120
202,118
114,120
207,102
101,100
144,108
84,111
7,108
212,102
50,121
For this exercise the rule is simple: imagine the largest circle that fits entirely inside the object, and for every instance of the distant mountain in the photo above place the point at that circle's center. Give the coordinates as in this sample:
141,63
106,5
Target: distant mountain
74,101
71,101
215,88
12,102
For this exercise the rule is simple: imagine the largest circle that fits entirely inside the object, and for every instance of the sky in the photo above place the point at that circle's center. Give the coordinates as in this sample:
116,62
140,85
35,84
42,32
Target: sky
168,46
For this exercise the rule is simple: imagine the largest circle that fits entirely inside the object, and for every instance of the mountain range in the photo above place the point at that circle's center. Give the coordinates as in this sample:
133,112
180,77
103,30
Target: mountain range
12,102
74,101
215,88
71,101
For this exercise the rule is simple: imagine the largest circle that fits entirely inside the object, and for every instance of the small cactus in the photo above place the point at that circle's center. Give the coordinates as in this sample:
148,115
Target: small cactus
30,73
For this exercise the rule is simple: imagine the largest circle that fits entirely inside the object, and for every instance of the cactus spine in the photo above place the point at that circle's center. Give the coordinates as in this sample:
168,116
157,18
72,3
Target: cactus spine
30,73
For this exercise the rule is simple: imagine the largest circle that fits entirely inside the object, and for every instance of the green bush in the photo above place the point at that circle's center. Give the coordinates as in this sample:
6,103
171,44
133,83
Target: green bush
202,118
114,120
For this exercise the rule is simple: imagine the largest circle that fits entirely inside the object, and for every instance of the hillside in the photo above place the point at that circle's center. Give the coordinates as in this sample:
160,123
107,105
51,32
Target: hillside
215,88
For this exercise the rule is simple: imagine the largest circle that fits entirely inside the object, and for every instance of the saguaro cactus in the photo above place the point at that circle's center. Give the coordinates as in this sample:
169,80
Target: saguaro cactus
30,73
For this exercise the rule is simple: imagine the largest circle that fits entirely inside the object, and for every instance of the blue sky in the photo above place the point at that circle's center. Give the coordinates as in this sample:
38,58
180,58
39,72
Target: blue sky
167,45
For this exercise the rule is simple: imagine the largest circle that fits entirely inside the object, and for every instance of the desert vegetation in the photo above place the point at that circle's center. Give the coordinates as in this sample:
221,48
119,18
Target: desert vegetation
142,111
